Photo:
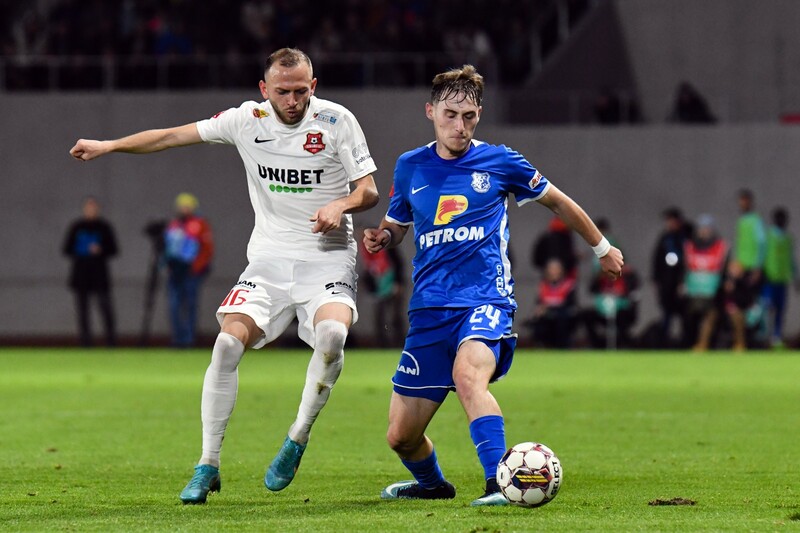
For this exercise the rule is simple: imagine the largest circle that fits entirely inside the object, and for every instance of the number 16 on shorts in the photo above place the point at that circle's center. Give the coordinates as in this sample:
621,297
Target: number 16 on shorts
235,297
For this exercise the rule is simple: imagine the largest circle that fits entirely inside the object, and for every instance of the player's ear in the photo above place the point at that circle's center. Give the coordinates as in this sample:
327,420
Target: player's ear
429,110
313,86
480,110
262,85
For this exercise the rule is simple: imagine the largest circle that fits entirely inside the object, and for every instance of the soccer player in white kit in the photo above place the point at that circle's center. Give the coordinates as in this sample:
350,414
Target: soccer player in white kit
308,167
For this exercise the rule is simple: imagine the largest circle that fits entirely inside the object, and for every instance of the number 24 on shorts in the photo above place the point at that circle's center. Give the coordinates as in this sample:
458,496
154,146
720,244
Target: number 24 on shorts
483,312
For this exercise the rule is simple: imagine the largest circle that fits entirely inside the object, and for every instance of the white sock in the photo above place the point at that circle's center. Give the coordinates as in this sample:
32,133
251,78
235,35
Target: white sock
323,371
219,394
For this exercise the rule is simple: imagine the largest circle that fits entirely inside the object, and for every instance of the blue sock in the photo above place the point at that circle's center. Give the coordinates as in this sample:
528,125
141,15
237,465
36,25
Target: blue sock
426,472
489,436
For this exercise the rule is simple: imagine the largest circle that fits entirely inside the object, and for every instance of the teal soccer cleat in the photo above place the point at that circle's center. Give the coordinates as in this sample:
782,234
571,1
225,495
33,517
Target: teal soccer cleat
494,498
283,468
491,496
205,479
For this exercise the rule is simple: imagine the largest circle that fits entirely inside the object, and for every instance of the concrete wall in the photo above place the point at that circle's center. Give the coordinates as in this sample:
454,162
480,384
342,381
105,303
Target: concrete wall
625,174
742,55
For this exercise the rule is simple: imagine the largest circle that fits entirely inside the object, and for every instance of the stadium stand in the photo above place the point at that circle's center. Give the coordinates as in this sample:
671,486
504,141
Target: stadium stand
146,44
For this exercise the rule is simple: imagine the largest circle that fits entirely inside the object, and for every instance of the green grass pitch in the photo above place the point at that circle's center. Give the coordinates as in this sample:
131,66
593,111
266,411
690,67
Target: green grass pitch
105,440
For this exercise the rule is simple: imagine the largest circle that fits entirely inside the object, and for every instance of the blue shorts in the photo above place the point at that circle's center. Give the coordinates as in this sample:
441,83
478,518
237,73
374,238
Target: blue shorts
425,369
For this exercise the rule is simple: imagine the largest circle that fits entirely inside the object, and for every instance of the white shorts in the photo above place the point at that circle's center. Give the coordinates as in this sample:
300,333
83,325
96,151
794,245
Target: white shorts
273,292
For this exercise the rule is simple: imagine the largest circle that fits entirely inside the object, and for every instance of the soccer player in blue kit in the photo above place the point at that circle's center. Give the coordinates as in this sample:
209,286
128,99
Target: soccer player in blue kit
455,191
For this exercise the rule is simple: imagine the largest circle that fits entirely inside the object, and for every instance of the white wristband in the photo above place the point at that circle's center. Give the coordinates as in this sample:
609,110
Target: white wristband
390,236
602,248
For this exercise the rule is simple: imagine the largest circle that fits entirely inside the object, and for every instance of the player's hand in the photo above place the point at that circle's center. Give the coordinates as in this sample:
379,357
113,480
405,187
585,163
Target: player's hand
327,218
85,150
612,263
376,239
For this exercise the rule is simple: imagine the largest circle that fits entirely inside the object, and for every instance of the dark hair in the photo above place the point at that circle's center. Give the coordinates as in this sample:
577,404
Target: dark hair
780,216
672,212
288,57
464,81
746,193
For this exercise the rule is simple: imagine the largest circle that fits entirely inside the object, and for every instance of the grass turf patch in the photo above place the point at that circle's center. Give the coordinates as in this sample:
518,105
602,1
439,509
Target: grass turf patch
105,440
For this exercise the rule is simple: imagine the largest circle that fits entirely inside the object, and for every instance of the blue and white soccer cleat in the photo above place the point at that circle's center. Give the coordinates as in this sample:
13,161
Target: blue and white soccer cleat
494,498
411,490
283,468
205,479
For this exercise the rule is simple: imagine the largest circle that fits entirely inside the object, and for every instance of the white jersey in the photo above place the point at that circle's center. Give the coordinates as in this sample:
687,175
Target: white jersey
292,171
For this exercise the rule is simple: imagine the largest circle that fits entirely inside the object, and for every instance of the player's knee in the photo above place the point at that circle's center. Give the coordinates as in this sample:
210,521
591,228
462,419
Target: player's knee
329,339
227,353
465,380
401,442
237,330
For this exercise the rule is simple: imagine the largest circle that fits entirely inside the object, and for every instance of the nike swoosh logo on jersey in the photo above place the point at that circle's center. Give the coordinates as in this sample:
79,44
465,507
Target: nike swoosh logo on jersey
415,191
263,140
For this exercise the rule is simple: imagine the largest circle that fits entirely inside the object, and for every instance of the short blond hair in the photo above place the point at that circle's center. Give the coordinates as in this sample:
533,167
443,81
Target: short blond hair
288,57
464,81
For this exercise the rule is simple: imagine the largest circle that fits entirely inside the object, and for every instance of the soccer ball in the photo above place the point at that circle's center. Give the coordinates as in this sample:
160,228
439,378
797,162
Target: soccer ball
529,474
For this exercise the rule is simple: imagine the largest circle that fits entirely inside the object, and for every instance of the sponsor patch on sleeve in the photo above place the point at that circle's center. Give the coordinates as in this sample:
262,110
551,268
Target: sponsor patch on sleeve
361,153
537,177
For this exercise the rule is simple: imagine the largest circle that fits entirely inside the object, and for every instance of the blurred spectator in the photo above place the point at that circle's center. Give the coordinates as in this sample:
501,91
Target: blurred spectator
751,244
705,255
667,268
690,107
514,53
470,44
188,249
556,243
614,309
780,269
740,301
383,276
90,243
554,315
29,34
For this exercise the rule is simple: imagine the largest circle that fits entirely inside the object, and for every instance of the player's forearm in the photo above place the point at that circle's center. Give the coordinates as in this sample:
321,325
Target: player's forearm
573,216
149,141
361,198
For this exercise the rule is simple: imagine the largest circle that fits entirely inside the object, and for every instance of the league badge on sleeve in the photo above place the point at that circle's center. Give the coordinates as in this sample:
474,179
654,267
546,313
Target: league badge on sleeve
480,181
314,143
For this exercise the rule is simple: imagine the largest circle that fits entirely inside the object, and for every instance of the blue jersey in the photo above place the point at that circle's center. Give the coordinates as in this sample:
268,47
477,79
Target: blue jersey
459,209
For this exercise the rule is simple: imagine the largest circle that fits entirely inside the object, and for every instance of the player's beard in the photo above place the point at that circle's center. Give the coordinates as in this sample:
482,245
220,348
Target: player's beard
299,115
